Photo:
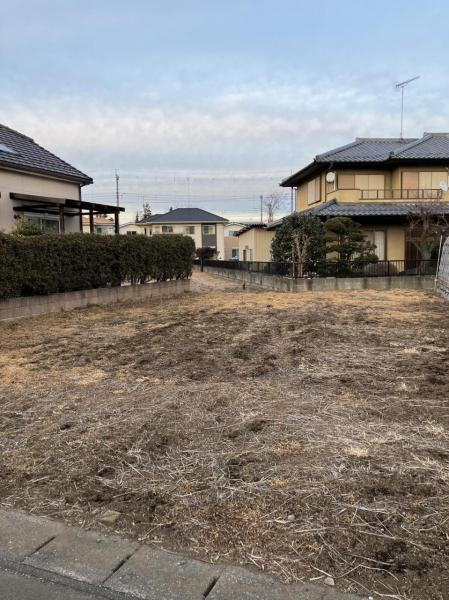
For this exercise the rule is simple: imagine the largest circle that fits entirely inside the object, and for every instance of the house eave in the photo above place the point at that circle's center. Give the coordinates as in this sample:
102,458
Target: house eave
81,180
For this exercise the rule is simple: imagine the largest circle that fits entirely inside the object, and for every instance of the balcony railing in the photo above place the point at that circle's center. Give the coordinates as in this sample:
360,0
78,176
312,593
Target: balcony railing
400,194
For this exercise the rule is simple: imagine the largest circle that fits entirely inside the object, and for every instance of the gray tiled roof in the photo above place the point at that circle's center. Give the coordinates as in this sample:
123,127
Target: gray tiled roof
185,215
21,152
372,209
431,145
365,150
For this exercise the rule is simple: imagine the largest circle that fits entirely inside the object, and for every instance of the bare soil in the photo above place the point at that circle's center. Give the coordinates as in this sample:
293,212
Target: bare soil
302,434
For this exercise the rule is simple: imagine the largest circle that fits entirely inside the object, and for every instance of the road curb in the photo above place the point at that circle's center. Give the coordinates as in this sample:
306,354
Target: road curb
113,567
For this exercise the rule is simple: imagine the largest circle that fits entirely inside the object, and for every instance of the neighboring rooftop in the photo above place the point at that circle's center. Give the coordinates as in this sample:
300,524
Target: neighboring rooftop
99,221
18,151
333,208
184,215
430,147
250,226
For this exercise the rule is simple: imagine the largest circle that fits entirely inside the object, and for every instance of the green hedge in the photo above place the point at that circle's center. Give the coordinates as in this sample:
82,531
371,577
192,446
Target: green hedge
46,264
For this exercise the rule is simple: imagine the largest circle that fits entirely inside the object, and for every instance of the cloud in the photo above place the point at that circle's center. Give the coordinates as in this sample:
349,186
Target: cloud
242,131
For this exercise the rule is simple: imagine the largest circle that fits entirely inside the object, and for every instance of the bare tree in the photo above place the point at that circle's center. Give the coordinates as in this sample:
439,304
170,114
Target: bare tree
272,203
428,221
146,209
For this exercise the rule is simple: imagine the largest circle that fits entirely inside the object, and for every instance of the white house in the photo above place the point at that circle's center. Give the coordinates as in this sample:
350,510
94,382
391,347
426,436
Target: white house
204,227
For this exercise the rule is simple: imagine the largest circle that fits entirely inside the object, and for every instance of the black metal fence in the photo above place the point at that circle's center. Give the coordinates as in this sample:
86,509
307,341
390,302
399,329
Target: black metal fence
382,268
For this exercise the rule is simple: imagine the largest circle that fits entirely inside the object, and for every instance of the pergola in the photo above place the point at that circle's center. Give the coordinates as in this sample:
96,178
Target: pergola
67,207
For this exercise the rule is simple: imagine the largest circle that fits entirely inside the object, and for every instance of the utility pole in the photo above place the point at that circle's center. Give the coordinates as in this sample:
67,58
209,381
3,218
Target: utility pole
261,209
117,193
401,86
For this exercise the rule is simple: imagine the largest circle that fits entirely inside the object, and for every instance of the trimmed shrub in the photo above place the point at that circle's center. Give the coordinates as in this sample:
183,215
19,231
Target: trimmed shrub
50,263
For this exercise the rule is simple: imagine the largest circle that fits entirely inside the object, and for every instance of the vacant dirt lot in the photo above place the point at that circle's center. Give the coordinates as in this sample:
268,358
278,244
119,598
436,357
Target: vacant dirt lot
306,435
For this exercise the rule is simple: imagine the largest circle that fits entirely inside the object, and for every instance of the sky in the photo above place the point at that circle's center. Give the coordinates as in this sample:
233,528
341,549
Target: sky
212,103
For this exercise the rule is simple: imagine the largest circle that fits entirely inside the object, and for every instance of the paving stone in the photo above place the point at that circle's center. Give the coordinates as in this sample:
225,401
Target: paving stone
238,583
21,534
20,587
157,575
83,555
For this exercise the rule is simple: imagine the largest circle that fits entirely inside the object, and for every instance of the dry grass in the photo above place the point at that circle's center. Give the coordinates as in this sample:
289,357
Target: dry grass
296,433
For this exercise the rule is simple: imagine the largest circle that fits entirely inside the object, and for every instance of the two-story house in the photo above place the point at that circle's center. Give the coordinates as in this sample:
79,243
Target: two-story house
40,187
205,228
378,182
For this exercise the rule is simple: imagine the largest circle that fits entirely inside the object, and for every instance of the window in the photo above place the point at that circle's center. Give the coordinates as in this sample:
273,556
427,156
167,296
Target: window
189,230
232,232
314,191
346,182
424,180
5,148
45,222
370,184
167,228
131,233
235,254
208,229
377,237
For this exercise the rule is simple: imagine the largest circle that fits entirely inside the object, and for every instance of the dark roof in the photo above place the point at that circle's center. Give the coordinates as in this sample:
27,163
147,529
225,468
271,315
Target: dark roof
333,208
184,215
365,150
19,151
430,147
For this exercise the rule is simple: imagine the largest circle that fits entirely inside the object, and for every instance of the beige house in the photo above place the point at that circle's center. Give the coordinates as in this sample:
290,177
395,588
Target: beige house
205,228
378,182
255,243
43,189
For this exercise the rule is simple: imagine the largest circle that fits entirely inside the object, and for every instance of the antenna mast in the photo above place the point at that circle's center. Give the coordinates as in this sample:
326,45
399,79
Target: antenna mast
401,86
117,193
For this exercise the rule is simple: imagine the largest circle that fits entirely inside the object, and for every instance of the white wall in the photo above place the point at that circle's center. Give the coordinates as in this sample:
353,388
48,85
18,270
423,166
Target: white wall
131,227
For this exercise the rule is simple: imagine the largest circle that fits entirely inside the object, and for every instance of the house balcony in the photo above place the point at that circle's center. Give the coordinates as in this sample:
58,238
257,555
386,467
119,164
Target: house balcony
402,194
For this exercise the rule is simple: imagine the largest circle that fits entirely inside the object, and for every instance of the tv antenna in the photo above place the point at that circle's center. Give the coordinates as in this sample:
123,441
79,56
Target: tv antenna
401,86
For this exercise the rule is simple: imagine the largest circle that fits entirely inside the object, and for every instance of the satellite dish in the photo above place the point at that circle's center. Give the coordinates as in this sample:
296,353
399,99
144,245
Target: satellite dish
330,177
443,186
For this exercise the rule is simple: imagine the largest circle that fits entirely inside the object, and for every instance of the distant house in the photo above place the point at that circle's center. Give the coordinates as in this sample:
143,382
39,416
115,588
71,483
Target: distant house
130,228
379,182
42,188
255,242
231,241
102,225
205,228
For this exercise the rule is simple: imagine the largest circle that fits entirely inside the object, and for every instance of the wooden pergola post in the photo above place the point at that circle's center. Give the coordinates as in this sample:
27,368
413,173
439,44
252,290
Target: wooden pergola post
91,220
116,223
61,219
81,219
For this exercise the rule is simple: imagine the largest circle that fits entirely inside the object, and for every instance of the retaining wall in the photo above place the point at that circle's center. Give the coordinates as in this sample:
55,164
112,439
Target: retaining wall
283,284
17,308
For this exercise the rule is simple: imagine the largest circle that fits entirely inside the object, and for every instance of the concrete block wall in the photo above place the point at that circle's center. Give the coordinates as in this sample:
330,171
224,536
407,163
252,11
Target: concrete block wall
283,284
18,308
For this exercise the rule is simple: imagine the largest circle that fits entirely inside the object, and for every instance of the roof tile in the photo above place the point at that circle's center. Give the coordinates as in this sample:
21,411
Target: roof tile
21,152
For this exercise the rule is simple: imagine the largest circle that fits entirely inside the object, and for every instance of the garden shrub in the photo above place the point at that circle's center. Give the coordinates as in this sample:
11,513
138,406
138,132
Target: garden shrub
45,264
